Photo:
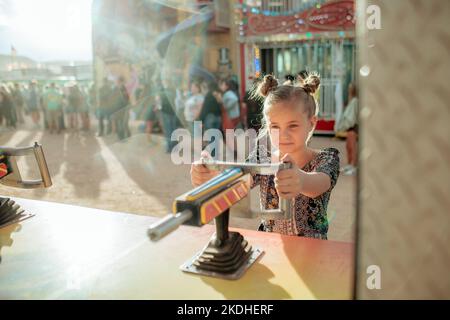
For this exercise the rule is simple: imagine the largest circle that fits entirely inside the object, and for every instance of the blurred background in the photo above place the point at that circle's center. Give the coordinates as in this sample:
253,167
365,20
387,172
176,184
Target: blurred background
103,83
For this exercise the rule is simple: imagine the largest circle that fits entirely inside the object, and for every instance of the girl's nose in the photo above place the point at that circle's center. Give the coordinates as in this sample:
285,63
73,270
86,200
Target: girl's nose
284,133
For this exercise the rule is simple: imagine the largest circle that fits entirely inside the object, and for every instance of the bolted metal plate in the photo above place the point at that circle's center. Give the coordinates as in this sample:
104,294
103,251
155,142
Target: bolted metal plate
189,267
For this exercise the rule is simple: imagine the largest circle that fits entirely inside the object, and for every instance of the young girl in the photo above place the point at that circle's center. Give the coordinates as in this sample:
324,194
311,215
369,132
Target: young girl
290,116
193,106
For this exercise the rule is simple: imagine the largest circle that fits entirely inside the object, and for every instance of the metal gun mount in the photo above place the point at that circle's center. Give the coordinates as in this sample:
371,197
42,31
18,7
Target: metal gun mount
13,177
11,212
228,255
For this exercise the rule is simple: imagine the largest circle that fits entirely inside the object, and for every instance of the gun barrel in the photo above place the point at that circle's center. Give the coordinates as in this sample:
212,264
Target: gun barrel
168,224
253,168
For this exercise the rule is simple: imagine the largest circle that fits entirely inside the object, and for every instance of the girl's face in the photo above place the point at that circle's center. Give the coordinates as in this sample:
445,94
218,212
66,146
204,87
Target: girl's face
289,127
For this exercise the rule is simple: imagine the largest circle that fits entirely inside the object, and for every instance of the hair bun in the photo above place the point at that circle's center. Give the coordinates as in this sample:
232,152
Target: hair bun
268,84
311,83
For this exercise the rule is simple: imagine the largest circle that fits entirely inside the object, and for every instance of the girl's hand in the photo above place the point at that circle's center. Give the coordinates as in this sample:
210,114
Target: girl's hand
199,173
289,182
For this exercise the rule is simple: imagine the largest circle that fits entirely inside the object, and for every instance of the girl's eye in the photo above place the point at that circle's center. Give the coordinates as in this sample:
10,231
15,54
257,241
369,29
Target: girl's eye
293,126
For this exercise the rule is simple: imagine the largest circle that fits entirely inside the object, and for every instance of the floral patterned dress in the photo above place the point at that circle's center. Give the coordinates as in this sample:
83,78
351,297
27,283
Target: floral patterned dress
310,218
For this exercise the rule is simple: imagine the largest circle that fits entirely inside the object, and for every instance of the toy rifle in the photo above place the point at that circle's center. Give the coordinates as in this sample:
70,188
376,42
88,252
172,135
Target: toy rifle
228,255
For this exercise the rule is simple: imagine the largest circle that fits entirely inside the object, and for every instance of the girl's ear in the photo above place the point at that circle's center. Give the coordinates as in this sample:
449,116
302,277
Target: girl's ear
313,122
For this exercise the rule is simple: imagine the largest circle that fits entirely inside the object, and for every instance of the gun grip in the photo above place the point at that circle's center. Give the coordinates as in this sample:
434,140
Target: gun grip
284,210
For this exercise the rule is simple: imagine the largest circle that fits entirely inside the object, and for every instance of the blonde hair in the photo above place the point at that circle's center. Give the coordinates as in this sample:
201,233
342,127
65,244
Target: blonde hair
300,92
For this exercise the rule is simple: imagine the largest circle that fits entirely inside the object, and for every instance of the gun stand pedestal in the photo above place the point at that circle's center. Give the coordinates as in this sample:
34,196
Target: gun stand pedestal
227,255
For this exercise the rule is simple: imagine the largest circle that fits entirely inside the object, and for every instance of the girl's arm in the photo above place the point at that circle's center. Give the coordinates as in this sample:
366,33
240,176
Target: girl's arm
292,182
314,184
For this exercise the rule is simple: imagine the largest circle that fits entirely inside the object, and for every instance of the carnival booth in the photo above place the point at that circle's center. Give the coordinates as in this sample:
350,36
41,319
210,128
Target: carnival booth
286,38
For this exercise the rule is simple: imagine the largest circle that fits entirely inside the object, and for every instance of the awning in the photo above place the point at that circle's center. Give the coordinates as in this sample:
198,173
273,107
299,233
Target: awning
163,40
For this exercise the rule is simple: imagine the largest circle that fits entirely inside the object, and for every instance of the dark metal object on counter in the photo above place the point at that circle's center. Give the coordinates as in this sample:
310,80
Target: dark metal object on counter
10,211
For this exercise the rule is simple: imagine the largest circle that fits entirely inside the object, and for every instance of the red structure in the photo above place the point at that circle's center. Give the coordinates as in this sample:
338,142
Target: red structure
333,16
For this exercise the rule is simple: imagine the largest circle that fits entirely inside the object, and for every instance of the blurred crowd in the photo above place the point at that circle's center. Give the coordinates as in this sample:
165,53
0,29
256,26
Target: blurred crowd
160,106
165,104
51,107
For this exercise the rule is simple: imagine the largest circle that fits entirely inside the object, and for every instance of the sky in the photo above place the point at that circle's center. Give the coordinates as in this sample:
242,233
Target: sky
46,30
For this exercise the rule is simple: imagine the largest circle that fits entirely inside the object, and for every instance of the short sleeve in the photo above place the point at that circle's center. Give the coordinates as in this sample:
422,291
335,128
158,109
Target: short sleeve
328,163
229,100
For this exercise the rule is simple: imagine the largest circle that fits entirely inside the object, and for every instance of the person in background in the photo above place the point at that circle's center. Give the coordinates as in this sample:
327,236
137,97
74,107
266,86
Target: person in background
169,118
181,95
44,107
74,102
88,100
7,110
230,102
193,107
231,113
62,119
104,106
150,110
53,103
253,106
33,103
19,102
203,87
211,113
122,100
349,123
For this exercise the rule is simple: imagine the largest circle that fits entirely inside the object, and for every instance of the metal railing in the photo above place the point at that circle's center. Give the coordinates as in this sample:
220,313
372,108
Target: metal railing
327,98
